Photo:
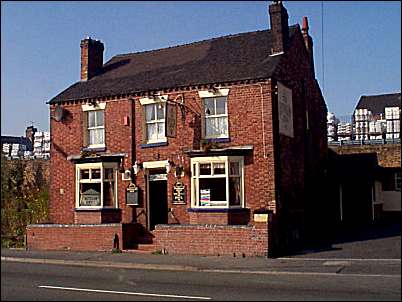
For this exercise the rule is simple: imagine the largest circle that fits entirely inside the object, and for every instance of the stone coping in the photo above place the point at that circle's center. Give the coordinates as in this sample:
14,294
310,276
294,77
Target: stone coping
56,225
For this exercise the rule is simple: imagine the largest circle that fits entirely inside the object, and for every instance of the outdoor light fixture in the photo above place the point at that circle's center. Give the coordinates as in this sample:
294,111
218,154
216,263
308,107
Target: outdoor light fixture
137,167
169,166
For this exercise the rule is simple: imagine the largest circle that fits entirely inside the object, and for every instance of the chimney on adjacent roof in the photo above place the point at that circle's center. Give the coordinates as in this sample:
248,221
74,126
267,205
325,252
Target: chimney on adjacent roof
308,41
91,58
279,27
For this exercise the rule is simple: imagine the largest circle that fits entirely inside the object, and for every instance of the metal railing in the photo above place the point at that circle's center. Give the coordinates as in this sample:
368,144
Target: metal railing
366,142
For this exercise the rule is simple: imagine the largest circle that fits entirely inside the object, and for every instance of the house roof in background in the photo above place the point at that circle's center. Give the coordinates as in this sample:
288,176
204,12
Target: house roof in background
229,58
5,139
377,103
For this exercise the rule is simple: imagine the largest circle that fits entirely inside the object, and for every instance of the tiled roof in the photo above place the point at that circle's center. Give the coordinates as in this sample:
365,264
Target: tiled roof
230,58
377,103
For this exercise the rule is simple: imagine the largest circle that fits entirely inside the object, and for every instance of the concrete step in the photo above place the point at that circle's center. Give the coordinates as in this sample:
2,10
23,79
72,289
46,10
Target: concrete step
143,249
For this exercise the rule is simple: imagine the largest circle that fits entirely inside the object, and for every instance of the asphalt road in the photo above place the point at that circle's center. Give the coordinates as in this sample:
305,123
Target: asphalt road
26,281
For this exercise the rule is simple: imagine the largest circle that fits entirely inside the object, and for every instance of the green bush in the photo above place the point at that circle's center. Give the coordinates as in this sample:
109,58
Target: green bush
24,199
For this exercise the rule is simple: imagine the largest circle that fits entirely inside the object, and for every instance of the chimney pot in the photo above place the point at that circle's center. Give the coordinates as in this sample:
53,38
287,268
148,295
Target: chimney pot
305,24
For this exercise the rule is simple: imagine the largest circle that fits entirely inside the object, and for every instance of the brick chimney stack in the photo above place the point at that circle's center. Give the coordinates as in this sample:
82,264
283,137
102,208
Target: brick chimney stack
279,27
308,41
91,58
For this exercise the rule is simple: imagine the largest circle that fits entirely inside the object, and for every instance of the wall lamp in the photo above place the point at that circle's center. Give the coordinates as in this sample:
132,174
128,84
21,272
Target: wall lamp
137,167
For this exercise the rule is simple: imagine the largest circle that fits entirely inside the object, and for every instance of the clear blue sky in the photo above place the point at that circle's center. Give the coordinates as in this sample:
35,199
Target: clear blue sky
40,52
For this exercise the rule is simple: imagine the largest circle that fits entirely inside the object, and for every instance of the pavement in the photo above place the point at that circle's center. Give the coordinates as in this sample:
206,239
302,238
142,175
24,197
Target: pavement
223,264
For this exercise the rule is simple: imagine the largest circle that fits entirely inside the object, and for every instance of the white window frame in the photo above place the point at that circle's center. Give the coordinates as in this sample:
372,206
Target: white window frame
101,180
216,116
98,107
195,176
157,100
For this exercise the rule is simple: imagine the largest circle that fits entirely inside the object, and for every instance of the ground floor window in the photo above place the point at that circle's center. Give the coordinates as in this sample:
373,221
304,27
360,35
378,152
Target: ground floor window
217,182
96,185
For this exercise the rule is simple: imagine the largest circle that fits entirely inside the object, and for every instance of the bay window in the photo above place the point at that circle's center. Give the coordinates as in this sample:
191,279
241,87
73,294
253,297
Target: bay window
96,185
217,182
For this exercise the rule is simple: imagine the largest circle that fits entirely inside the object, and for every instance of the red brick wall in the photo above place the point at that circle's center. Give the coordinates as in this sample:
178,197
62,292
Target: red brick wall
301,159
243,101
213,239
73,237
67,140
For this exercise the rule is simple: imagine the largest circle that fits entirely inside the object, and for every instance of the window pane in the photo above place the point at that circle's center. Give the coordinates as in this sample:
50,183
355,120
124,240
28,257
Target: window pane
209,106
108,194
99,118
161,130
234,168
84,174
160,111
151,132
211,127
216,127
212,190
150,112
219,168
221,105
91,119
90,194
96,174
205,169
234,191
96,136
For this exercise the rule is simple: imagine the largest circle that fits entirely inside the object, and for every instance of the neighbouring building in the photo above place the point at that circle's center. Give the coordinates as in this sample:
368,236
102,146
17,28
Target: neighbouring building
377,117
15,147
41,145
215,147
365,182
35,145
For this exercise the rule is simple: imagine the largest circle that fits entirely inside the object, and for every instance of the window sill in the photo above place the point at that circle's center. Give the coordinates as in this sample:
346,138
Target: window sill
218,140
96,209
94,149
152,145
217,210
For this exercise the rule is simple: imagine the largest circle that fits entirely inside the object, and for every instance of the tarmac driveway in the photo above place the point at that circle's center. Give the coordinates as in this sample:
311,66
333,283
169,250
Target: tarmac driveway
377,241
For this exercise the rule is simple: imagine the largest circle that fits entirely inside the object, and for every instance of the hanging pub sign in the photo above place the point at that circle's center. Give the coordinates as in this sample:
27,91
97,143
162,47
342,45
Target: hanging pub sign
179,192
170,120
285,110
132,195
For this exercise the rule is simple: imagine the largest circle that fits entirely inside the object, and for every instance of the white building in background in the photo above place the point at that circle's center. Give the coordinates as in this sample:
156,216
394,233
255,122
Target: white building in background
377,117
41,145
332,127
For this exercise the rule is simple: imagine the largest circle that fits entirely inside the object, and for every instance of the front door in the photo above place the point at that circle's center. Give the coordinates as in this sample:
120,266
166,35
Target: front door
157,194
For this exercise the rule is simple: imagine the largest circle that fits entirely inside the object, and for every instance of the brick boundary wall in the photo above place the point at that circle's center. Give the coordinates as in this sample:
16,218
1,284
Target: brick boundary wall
213,240
76,237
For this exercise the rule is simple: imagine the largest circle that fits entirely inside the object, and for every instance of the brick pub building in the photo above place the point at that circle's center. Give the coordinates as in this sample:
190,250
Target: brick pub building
215,147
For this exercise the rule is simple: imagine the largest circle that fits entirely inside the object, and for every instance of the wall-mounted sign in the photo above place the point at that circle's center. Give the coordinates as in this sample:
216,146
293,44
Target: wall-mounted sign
157,177
132,195
170,120
90,198
179,192
261,217
285,110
